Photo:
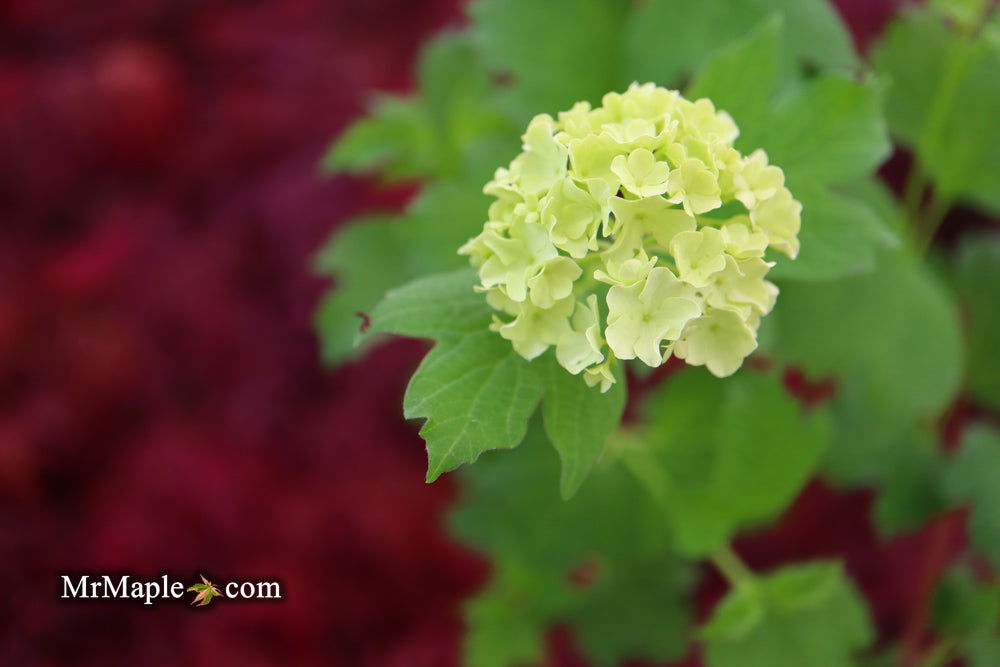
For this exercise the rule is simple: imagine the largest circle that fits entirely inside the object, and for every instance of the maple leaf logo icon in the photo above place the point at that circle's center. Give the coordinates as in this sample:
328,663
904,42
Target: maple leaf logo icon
206,591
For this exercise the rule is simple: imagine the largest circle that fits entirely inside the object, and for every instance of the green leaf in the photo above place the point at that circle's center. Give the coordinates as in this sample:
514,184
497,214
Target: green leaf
558,51
977,280
423,241
736,615
910,56
802,586
442,305
723,449
826,132
507,622
741,78
831,131
811,616
578,421
942,103
430,133
911,490
694,30
476,394
972,479
631,600
360,282
633,611
453,131
882,201
964,606
891,340
967,612
457,93
395,138
840,236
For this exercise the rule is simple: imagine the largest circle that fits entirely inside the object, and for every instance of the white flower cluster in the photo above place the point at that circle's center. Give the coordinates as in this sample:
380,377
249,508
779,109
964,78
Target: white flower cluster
644,206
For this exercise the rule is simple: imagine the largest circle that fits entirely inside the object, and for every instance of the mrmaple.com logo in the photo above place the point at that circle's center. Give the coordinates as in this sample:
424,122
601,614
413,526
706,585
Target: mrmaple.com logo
125,587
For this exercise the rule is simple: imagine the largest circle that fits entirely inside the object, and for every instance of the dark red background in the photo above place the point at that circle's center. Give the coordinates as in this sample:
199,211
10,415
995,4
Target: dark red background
161,402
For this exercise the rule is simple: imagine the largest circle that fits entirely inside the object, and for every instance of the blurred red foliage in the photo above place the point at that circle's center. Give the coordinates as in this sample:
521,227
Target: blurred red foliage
161,402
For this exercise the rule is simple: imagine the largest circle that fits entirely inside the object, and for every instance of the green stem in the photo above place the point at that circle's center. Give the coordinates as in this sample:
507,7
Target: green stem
733,568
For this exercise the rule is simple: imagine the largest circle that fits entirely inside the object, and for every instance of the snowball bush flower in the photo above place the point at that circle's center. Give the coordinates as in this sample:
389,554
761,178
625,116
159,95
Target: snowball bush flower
634,231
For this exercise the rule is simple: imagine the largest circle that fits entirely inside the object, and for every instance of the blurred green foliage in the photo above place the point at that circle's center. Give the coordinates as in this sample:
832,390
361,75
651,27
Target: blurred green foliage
629,580
977,275
972,478
722,454
966,613
944,99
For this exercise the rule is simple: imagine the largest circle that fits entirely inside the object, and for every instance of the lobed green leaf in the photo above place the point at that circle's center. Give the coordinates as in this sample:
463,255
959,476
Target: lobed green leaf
732,452
558,51
825,132
911,489
830,132
805,614
896,354
578,420
942,103
741,78
817,36
599,562
476,394
395,138
441,306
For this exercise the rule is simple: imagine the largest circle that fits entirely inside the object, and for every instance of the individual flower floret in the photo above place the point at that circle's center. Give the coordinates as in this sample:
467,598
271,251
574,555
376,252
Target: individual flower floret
572,215
640,173
643,204
741,240
720,339
580,347
554,282
544,159
780,219
757,180
534,329
740,286
695,186
643,315
699,255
